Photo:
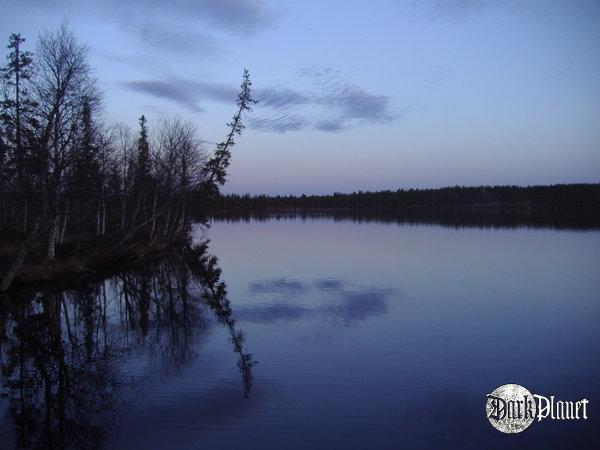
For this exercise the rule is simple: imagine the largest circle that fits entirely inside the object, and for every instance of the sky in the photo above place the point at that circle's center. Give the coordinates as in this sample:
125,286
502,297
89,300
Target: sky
354,95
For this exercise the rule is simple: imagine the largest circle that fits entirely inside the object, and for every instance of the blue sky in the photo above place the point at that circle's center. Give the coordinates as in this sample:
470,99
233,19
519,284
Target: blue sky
367,95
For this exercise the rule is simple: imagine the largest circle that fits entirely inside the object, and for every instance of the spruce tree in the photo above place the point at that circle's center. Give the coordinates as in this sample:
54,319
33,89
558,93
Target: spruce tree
216,168
143,152
143,167
17,114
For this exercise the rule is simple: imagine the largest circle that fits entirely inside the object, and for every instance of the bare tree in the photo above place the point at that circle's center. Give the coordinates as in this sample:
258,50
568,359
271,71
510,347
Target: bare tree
68,180
63,81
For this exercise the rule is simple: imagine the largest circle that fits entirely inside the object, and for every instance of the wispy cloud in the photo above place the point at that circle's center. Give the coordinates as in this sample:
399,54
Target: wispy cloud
157,36
165,90
236,16
184,92
329,125
354,102
280,124
333,105
318,74
239,15
279,98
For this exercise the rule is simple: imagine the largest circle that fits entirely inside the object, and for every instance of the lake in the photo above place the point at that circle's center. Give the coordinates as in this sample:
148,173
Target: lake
327,333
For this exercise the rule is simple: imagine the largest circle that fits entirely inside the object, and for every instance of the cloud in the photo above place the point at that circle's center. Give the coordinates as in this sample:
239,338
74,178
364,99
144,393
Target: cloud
184,92
282,98
139,61
334,105
214,91
318,74
159,37
166,90
237,16
356,103
329,125
280,124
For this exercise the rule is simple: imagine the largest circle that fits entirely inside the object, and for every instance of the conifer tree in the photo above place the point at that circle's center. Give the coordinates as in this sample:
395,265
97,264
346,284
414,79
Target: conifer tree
216,168
17,115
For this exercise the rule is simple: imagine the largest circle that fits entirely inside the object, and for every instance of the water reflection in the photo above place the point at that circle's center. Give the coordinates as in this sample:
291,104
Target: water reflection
62,352
339,301
369,336
445,314
277,286
452,218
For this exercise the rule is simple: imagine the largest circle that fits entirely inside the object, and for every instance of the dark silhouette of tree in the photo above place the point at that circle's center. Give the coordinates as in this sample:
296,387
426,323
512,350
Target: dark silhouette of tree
18,116
557,197
215,170
143,152
143,168
78,191
62,82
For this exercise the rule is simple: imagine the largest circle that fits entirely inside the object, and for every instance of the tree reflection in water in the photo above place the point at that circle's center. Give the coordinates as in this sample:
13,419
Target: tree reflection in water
60,352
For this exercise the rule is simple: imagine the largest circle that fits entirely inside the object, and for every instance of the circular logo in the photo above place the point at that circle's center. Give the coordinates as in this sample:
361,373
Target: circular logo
510,408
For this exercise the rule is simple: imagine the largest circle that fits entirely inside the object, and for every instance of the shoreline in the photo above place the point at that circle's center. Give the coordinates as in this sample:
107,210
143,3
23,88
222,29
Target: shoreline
72,270
78,263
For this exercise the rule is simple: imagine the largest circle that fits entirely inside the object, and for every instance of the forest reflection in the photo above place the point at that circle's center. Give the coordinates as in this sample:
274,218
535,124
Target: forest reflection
61,351
450,218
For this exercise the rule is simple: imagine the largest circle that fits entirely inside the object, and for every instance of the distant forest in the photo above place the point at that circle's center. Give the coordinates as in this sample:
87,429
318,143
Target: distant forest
559,197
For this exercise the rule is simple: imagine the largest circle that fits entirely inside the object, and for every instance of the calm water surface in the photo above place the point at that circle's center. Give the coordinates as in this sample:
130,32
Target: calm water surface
336,335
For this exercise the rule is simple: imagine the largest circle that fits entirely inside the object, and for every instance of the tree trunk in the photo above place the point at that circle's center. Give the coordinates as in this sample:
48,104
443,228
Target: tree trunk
15,268
25,216
98,213
52,238
123,210
63,228
167,221
18,261
103,221
153,215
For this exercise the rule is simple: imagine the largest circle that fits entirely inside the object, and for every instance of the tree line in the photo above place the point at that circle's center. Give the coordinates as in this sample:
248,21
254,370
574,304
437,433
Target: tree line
69,176
555,197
